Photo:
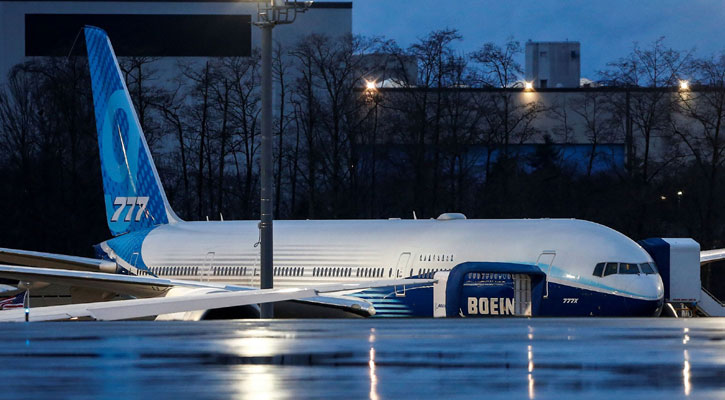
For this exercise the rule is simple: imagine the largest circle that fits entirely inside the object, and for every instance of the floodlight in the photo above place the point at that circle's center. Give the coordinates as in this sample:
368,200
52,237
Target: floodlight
528,86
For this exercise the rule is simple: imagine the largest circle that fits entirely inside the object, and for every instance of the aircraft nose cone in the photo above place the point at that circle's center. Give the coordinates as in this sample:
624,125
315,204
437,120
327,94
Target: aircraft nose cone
654,288
649,287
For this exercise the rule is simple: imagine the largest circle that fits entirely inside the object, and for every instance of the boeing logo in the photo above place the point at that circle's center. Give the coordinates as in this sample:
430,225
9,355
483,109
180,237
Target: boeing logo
492,306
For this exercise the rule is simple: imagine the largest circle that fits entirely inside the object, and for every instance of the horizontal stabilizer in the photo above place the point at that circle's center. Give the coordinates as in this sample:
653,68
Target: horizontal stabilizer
56,261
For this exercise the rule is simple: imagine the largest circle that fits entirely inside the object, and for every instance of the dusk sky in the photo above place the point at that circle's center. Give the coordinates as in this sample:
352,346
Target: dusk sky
606,29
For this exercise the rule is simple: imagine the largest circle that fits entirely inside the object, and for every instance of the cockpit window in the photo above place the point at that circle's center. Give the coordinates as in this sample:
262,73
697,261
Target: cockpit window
648,268
610,269
628,269
654,267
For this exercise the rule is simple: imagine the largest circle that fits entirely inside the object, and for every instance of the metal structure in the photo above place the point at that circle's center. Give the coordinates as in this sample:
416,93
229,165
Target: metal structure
270,14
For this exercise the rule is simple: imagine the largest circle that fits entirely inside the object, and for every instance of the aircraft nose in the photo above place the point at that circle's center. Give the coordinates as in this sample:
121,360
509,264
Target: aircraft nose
655,286
648,286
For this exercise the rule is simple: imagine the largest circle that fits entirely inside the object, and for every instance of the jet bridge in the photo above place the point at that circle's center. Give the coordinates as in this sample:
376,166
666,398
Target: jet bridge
678,261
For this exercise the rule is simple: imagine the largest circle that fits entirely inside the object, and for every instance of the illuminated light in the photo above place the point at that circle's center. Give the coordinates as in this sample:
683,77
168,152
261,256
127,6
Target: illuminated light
258,382
528,86
531,387
530,356
680,193
684,85
371,85
686,374
663,197
373,376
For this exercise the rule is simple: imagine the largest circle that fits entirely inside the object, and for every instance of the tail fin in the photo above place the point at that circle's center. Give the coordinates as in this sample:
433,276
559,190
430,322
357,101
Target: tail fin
134,196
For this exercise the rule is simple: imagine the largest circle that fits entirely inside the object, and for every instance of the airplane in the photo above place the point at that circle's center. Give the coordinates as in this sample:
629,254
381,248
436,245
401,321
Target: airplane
177,269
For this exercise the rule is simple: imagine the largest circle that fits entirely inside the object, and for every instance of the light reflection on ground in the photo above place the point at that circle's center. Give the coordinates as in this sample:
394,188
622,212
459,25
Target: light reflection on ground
375,359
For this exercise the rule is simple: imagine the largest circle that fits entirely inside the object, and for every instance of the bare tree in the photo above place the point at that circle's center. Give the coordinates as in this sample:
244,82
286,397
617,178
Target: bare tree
246,100
510,114
594,109
141,75
173,110
654,67
700,127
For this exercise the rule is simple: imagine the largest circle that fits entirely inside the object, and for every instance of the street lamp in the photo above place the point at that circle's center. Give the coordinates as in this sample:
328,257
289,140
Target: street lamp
371,91
684,85
270,13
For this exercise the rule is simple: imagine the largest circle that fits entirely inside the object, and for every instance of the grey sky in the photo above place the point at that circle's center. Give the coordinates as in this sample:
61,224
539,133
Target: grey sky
606,29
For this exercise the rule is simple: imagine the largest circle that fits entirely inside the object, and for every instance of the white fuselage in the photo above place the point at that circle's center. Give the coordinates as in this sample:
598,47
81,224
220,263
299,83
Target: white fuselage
333,251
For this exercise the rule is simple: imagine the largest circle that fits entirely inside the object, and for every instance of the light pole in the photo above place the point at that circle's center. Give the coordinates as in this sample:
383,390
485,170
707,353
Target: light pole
270,13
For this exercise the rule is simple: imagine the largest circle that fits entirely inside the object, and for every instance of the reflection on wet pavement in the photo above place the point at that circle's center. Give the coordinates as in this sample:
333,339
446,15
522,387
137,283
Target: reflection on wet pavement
375,359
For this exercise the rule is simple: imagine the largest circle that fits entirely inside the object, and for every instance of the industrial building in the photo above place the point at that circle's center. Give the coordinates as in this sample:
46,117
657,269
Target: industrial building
553,64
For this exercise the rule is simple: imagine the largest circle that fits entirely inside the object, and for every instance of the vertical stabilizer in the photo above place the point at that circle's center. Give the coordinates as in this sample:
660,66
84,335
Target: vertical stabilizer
133,193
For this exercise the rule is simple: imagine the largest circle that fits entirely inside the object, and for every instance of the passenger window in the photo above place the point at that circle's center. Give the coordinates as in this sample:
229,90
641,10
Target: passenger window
599,269
610,269
628,269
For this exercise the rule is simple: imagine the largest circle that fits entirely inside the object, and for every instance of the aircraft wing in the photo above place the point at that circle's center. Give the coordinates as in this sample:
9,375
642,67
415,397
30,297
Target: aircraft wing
708,256
57,261
146,286
152,286
139,308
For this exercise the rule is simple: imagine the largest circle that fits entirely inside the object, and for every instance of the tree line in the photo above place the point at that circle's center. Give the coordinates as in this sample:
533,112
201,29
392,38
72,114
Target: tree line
442,131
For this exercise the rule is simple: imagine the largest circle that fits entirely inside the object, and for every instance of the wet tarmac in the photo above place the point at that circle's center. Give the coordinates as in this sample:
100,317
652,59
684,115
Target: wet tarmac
375,359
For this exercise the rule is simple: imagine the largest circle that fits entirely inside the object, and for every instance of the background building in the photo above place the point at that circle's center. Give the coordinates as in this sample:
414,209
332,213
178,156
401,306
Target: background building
553,64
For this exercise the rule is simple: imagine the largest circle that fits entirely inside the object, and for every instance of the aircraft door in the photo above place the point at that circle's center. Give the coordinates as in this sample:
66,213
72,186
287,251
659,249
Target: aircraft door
400,267
402,264
206,268
545,261
522,295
